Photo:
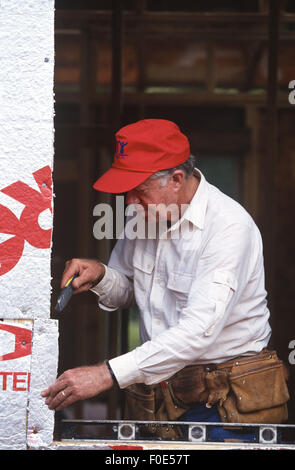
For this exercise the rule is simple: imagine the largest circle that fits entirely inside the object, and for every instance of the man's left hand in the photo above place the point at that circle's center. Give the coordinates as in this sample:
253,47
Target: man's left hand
77,384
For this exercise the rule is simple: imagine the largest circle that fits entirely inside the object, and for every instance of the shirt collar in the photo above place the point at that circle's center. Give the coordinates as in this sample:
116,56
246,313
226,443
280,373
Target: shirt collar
196,211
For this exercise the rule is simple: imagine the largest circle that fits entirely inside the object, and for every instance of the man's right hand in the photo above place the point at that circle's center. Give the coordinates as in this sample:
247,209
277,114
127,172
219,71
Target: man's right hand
90,273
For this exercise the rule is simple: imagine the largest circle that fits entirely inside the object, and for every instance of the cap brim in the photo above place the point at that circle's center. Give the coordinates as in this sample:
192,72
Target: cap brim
116,180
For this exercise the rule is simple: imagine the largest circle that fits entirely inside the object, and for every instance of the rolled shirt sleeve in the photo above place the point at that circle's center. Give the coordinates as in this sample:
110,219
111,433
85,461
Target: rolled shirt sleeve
115,290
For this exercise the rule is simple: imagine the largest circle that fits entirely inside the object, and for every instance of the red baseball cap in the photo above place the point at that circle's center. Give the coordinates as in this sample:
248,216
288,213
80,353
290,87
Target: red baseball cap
143,148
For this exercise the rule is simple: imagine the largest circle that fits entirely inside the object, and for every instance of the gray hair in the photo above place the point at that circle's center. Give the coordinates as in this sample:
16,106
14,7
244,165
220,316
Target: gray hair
187,167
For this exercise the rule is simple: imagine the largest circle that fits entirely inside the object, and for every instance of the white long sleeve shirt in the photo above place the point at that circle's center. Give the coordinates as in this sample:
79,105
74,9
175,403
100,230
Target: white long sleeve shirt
201,296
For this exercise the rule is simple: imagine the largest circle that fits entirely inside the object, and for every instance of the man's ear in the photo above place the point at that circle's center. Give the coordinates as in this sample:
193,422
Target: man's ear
177,179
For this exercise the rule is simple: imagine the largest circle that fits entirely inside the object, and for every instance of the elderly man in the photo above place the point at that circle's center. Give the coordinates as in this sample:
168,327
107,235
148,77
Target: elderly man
199,287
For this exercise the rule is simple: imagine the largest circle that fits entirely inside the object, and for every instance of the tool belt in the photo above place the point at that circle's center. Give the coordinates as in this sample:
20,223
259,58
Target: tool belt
248,389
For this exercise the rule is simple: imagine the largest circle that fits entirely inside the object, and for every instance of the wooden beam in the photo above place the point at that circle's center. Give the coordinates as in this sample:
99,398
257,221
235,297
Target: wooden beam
175,98
251,162
65,17
215,26
116,111
117,46
87,76
269,202
211,68
255,58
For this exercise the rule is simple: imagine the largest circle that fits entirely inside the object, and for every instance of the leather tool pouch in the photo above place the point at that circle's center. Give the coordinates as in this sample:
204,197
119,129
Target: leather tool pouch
248,390
139,403
147,403
165,402
258,391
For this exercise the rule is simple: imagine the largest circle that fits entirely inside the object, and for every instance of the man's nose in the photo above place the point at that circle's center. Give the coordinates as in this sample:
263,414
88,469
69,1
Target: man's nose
132,198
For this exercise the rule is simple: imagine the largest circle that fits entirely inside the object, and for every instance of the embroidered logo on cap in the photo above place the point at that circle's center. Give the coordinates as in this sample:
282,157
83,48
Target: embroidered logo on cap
121,149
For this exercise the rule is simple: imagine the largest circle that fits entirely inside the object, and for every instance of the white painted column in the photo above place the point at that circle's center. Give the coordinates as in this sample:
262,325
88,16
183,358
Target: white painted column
28,337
